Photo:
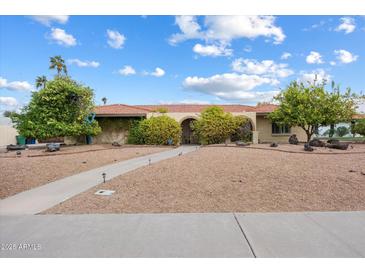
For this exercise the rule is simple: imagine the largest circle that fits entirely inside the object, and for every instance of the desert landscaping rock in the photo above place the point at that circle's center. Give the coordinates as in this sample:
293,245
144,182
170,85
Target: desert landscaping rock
316,143
293,140
24,173
233,179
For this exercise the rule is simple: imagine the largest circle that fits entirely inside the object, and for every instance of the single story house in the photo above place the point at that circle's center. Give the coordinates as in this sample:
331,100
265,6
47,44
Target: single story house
115,120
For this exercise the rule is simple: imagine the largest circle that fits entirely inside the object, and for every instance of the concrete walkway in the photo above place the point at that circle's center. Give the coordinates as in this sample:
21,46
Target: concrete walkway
46,196
309,234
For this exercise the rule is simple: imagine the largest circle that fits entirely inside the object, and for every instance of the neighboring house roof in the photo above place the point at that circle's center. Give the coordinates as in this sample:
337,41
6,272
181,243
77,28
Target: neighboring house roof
120,110
359,116
198,107
265,108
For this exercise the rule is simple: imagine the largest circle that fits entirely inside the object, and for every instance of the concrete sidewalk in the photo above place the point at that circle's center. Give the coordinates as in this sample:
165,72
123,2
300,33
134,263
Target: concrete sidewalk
307,234
46,196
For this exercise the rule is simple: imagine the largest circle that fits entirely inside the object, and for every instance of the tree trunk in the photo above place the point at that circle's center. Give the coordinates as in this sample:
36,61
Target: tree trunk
332,130
309,135
308,132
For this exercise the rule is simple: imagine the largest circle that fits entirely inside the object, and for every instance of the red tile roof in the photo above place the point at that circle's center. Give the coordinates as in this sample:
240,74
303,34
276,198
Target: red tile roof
142,110
198,107
358,116
265,108
120,110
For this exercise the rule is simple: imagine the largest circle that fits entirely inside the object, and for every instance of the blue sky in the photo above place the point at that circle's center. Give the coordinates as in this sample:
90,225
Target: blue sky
184,59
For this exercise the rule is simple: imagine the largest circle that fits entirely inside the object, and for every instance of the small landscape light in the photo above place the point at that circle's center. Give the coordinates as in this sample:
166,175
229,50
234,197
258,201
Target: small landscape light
149,161
104,175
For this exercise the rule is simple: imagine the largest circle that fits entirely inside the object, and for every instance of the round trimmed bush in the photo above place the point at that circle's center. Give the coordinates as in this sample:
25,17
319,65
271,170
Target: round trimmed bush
160,130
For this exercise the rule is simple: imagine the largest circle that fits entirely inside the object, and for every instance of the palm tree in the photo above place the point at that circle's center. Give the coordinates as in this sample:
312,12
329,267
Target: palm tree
58,63
41,81
104,99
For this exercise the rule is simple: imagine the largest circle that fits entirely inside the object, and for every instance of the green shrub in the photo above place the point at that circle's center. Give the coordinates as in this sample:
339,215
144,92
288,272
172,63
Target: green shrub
214,125
115,123
135,136
162,110
342,131
243,133
156,131
358,127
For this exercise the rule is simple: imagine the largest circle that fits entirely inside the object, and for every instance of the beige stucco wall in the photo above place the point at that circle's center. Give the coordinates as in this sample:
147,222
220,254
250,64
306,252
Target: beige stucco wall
7,135
110,136
105,137
265,135
113,130
181,116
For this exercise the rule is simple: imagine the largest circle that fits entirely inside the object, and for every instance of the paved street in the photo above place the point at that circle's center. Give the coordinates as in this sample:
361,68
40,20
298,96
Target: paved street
46,196
307,234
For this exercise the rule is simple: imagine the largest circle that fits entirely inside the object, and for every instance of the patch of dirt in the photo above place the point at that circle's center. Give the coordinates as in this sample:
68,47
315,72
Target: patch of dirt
24,173
227,179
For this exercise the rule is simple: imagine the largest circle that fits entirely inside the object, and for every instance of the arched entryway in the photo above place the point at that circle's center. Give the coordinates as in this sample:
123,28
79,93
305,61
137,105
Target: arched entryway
187,132
244,132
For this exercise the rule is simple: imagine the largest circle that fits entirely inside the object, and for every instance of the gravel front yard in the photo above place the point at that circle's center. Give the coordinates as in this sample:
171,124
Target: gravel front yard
20,174
232,179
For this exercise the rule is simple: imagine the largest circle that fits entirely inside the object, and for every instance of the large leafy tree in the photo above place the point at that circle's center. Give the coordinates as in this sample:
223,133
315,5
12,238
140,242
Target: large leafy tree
58,63
311,106
62,108
214,125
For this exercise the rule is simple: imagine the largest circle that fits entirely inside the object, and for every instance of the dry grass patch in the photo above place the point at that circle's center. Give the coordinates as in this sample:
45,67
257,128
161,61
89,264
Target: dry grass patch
24,173
230,179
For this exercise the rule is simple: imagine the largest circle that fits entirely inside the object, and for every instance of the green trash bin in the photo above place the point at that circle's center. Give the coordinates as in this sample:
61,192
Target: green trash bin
20,140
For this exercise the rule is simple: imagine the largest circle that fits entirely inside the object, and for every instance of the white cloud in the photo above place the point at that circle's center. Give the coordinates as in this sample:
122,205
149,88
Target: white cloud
345,56
48,20
190,29
79,63
319,75
185,102
159,72
333,63
115,39
314,58
227,28
8,101
127,70
347,25
62,38
212,50
267,68
231,86
15,85
285,55
249,96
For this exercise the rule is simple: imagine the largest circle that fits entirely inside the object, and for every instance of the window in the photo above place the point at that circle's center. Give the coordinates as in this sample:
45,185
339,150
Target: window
280,129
